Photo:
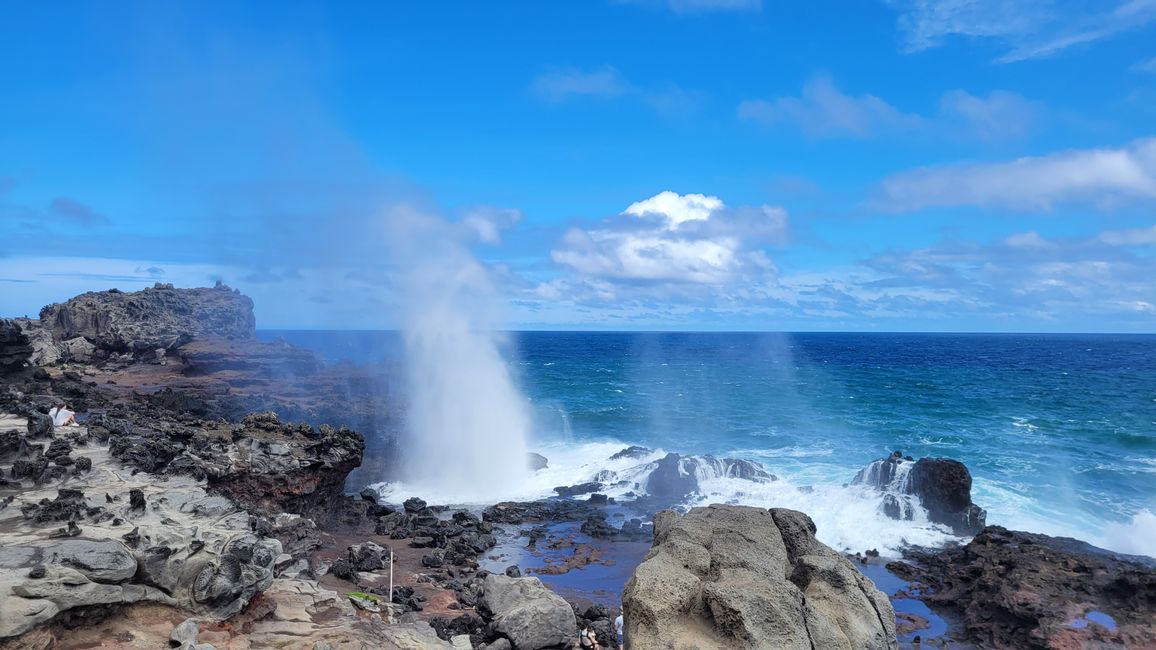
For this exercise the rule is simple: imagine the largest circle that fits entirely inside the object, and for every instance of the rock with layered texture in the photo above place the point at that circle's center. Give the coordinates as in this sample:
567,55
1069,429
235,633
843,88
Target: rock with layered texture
740,577
1014,589
183,548
161,317
527,613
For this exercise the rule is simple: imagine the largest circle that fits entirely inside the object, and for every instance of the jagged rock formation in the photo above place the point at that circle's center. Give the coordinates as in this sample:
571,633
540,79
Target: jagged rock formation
1024,590
741,577
940,485
675,477
106,538
158,318
15,348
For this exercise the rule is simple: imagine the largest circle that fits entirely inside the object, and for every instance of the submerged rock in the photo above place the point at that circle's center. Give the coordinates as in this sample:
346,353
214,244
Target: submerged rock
741,577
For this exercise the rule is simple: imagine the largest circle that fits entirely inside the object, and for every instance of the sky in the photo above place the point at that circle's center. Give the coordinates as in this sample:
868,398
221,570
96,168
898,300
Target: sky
882,165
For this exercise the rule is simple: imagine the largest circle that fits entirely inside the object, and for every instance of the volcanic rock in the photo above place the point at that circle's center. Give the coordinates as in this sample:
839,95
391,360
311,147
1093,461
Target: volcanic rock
1024,590
632,451
741,577
15,348
940,485
159,317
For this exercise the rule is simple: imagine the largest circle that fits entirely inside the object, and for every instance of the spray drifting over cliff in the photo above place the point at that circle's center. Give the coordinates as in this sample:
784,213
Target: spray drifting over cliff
467,423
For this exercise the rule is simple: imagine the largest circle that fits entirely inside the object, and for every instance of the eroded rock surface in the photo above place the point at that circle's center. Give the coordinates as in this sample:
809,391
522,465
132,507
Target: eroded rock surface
531,616
1024,590
161,317
739,577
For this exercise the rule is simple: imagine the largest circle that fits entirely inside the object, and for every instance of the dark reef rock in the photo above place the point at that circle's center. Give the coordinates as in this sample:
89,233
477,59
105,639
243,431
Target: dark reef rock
576,490
1023,590
160,317
633,451
670,479
941,485
15,347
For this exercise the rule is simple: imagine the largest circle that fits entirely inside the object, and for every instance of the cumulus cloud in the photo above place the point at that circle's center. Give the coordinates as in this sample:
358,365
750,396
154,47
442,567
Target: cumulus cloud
1103,177
676,238
823,110
1026,29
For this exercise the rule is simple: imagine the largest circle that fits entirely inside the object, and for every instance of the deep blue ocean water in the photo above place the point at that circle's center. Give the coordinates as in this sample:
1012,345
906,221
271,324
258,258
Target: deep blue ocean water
1059,431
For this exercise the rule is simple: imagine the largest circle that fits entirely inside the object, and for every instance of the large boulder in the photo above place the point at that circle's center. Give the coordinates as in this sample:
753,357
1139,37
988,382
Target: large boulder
161,317
942,486
740,577
672,478
527,613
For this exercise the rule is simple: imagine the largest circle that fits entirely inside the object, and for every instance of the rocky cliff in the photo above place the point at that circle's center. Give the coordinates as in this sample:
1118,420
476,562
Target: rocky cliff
740,577
158,318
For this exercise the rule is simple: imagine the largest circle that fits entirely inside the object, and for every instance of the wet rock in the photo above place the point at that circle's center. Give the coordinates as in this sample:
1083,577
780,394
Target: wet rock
136,501
524,611
575,490
1014,589
513,571
740,577
672,478
634,452
414,505
99,560
940,485
39,425
536,462
944,487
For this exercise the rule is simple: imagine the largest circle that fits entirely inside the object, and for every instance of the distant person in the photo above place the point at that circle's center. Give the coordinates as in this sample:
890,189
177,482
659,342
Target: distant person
619,624
62,417
588,639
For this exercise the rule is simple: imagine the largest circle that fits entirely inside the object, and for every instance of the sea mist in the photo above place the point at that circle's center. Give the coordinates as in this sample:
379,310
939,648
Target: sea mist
467,423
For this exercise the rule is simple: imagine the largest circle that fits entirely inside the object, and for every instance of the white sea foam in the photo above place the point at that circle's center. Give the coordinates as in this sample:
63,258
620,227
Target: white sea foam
1137,536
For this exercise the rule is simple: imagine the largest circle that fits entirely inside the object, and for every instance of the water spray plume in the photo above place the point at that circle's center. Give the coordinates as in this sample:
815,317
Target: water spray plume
467,423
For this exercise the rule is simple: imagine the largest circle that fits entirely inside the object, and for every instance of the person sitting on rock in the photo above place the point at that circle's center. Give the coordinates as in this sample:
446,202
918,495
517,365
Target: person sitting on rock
62,417
588,639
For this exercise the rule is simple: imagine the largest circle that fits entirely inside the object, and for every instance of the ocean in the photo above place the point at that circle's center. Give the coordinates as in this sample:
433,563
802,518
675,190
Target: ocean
1059,431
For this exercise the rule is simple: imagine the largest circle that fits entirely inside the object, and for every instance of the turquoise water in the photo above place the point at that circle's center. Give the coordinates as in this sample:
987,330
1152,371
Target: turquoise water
1059,431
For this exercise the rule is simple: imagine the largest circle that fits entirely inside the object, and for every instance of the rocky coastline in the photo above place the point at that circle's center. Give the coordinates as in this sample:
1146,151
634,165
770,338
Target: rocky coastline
212,497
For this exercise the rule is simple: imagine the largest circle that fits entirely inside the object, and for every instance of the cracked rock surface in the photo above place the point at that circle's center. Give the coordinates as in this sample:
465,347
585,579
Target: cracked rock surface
726,576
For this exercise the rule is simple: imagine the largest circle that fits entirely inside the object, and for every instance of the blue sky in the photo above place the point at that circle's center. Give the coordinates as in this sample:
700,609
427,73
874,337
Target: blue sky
942,165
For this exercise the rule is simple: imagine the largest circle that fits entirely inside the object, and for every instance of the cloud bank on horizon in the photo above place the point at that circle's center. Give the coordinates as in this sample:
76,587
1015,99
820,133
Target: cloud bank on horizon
915,165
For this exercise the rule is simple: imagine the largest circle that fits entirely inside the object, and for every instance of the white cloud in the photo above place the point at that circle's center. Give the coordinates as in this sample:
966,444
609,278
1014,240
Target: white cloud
1148,66
560,84
1102,177
1031,239
487,223
1001,115
673,238
823,110
1131,237
557,85
1026,29
676,208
